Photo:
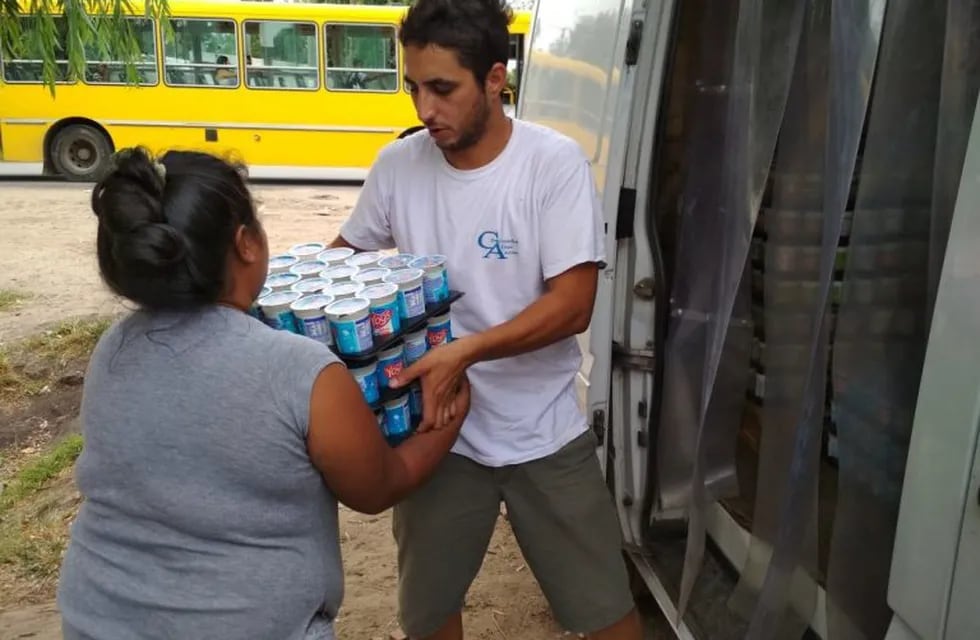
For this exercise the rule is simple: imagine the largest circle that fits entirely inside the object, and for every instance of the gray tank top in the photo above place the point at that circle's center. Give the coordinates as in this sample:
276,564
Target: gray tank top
203,515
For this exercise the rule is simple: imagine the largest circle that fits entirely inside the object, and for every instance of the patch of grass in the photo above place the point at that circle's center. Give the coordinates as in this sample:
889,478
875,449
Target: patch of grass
10,299
35,474
47,354
36,508
67,341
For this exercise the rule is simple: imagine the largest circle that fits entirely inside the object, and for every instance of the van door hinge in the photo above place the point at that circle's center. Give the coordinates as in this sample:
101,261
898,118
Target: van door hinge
599,425
633,43
635,359
625,212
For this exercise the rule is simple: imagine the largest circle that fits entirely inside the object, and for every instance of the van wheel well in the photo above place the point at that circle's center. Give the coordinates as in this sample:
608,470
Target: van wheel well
59,126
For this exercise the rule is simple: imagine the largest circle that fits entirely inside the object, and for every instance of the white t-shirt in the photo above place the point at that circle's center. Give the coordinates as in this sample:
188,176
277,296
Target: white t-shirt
529,215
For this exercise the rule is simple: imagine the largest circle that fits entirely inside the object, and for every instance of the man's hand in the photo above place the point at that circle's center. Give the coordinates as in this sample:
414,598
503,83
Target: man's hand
441,371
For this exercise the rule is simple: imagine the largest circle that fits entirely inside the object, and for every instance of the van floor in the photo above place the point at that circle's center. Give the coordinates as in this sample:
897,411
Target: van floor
710,615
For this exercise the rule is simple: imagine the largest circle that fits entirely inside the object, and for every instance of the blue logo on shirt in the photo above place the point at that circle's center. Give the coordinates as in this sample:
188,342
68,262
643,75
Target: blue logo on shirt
494,247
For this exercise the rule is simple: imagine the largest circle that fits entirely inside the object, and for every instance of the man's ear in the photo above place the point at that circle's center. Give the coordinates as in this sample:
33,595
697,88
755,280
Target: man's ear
496,79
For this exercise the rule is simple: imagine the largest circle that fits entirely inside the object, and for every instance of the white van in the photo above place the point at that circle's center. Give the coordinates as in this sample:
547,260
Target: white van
784,357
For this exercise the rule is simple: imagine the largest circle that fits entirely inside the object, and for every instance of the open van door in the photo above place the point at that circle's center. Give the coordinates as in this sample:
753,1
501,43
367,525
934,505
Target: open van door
779,181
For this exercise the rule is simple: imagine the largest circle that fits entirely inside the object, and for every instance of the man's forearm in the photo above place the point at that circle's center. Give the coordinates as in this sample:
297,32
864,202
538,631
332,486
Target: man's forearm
546,321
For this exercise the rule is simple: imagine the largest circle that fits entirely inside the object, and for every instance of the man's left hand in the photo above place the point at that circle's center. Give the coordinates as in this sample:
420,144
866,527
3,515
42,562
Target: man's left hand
440,371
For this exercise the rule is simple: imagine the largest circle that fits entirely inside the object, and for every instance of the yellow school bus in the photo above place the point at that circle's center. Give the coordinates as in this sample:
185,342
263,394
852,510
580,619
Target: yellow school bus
294,90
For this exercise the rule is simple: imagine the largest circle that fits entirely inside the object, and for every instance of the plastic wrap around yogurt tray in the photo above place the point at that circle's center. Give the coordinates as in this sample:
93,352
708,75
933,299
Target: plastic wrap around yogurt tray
408,326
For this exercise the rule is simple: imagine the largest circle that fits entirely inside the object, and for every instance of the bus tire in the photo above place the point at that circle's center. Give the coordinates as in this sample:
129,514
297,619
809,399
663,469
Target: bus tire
80,153
410,131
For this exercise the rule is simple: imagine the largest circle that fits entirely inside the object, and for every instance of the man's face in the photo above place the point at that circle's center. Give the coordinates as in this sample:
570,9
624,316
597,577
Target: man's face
448,100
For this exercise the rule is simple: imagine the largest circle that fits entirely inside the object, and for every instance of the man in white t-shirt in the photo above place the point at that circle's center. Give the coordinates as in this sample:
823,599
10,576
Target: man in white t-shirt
513,207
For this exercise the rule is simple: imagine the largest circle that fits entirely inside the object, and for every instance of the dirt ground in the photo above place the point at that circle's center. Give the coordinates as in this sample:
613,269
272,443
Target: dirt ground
47,259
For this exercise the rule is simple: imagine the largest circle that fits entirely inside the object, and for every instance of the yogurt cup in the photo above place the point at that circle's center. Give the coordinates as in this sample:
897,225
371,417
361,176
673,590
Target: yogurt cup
277,311
307,250
344,290
311,285
416,344
364,260
335,256
373,275
397,261
415,401
385,319
255,310
311,320
411,299
367,380
350,324
398,418
281,263
308,268
380,417
439,331
281,281
435,282
339,273
391,363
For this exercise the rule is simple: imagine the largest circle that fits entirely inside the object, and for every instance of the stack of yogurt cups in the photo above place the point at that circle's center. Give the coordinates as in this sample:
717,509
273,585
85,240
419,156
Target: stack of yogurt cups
348,301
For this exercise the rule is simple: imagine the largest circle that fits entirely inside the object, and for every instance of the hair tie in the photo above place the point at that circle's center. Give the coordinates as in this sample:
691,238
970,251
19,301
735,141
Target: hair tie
161,170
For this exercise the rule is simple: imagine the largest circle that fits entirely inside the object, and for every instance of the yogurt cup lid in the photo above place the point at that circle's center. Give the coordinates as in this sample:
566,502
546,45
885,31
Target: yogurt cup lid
312,285
343,288
438,319
336,254
315,301
403,276
378,291
428,262
370,274
309,266
279,298
264,292
368,257
397,261
347,306
306,248
281,261
281,279
339,271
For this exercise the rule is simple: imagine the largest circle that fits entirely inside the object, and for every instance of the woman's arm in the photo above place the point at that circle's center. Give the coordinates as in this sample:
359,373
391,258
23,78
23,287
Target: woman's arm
359,466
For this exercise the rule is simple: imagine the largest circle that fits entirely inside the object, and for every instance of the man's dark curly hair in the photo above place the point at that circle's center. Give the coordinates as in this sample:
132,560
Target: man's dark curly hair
476,30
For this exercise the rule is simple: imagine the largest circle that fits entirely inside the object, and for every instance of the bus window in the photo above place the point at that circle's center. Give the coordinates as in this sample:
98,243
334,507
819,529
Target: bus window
100,69
201,53
361,58
281,55
30,68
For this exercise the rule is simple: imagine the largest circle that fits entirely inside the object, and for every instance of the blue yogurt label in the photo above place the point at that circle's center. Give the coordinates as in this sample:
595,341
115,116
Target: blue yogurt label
353,336
398,418
411,303
317,328
283,321
436,288
416,345
368,381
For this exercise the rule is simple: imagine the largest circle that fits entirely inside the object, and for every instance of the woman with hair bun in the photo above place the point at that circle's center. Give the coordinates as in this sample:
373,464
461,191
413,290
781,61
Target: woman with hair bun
216,448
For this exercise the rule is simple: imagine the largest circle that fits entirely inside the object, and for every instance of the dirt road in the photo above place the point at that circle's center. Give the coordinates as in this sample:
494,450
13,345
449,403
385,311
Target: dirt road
47,261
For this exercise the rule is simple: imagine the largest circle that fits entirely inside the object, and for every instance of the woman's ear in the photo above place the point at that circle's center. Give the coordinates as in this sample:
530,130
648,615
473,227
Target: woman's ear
249,244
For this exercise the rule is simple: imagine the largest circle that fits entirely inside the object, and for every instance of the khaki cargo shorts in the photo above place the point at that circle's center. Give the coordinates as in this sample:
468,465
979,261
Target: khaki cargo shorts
564,521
